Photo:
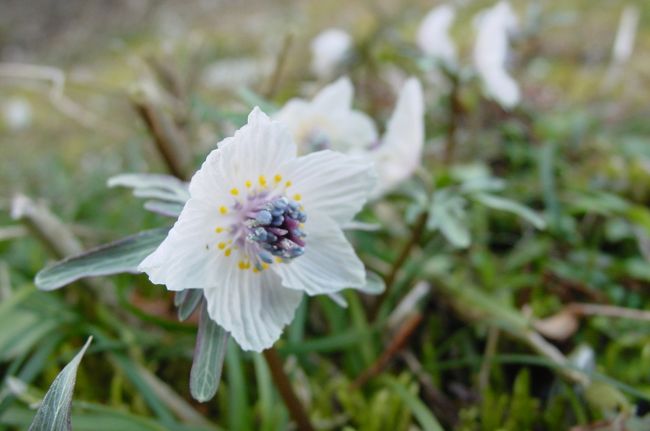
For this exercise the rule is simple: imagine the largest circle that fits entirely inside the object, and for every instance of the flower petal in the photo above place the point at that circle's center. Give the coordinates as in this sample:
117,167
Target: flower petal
329,263
187,258
257,149
401,150
253,307
433,35
335,96
329,115
329,50
331,183
491,51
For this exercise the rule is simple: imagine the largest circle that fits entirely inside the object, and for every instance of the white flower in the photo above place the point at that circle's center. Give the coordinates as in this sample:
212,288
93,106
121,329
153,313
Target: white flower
491,51
329,50
17,113
262,227
328,121
625,35
433,35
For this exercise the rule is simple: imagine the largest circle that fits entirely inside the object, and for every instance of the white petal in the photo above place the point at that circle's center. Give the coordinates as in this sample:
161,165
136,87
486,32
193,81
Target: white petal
187,258
491,52
253,307
257,149
337,95
353,131
329,50
433,34
329,263
331,183
329,115
400,152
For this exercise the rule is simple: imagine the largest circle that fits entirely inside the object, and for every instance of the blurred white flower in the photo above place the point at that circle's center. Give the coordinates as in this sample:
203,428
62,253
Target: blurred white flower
433,35
625,35
623,44
261,228
17,113
328,121
329,50
491,51
399,153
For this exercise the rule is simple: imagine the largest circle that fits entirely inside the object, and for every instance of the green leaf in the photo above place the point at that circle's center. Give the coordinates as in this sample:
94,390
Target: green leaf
114,258
239,412
168,209
503,204
375,284
209,353
424,416
188,303
153,186
448,214
54,412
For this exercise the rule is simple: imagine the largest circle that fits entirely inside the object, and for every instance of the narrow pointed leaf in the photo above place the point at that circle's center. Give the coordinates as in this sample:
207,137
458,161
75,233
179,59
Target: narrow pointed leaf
114,258
375,284
209,353
54,412
421,412
447,213
168,209
499,203
188,303
164,187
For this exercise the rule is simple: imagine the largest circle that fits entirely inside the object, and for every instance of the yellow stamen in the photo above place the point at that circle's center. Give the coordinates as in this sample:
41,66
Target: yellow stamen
242,265
227,252
262,181
297,197
248,184
221,245
278,259
223,210
277,178
234,192
265,265
287,184
219,230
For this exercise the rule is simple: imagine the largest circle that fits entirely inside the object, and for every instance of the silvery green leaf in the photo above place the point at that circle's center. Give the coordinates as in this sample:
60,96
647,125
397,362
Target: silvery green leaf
209,352
338,299
154,186
476,178
499,203
188,303
375,284
361,226
448,214
179,297
54,412
169,209
114,258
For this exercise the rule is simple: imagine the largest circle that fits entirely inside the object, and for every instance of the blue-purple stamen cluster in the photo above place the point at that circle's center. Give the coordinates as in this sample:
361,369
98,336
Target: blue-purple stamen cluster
276,228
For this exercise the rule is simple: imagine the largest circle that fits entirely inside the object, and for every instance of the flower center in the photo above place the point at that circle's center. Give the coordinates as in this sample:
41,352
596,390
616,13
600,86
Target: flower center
275,227
265,228
317,140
